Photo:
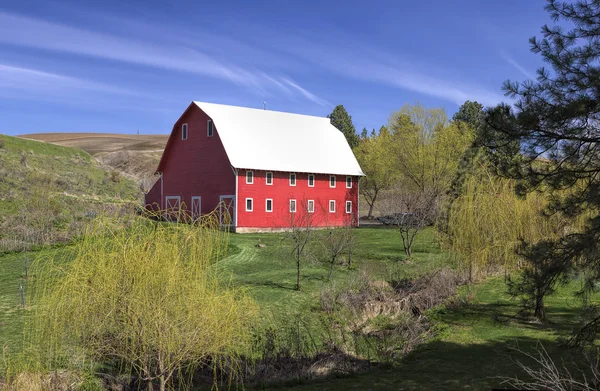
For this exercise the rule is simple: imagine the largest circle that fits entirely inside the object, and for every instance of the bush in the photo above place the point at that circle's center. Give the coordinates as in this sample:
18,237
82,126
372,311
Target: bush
115,176
147,297
2,141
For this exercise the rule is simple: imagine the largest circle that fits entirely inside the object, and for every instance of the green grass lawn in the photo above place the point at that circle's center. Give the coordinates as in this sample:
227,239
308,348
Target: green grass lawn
472,342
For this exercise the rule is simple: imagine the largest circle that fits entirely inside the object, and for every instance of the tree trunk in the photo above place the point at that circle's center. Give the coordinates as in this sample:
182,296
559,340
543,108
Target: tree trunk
163,384
298,265
350,256
540,311
370,211
331,268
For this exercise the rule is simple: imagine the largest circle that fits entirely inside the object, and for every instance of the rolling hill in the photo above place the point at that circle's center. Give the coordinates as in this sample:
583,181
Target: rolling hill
48,191
136,156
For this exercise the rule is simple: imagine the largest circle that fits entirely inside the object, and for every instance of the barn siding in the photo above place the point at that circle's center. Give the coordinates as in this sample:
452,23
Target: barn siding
197,166
281,192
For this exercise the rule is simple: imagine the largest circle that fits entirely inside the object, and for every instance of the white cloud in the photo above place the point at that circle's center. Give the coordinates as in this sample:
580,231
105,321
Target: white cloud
36,80
518,66
307,94
29,32
379,66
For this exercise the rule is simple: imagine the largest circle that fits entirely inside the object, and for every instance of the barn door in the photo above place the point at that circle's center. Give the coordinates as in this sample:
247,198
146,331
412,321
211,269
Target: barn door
196,207
227,211
173,209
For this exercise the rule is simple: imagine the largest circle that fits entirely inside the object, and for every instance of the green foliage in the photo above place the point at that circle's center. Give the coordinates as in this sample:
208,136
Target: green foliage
555,119
487,223
471,113
428,148
343,121
147,297
374,154
2,142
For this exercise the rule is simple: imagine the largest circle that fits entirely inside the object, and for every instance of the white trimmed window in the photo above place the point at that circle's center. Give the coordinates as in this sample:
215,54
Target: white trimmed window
249,204
249,177
184,131
292,206
331,206
348,182
311,180
332,181
292,179
269,205
269,178
210,129
348,206
310,206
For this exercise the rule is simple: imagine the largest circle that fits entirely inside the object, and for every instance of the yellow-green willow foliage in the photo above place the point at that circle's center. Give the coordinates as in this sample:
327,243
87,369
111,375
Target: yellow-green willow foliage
487,222
147,297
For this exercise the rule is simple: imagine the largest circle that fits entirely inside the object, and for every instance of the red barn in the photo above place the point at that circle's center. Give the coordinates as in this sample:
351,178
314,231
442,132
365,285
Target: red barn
263,167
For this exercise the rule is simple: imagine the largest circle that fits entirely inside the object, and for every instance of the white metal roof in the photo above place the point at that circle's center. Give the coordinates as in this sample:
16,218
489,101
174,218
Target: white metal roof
273,140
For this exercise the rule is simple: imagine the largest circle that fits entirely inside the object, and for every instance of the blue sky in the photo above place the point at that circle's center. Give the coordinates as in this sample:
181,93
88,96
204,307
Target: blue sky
124,66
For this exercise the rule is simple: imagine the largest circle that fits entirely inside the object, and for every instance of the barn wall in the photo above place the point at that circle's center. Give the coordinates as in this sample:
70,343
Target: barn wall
197,166
281,192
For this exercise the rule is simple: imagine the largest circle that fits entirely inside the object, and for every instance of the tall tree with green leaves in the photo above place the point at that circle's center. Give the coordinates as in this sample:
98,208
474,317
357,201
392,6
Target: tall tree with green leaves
343,121
471,113
426,149
556,123
377,162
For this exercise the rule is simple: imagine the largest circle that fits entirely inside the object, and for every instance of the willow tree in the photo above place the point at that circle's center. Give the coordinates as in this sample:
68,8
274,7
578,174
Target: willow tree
556,122
148,298
487,222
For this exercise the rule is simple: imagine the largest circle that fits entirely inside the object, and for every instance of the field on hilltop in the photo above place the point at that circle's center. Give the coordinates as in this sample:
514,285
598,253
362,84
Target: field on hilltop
134,155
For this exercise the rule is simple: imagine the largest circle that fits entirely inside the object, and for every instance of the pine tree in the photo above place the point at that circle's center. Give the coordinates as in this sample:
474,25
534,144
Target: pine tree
343,121
550,140
470,113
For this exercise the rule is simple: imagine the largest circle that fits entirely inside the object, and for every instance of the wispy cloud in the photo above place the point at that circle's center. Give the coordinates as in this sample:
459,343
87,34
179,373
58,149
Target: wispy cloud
379,66
32,79
307,94
35,33
518,66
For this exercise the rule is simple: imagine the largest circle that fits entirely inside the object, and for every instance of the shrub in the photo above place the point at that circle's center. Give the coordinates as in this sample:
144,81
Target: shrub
2,141
115,176
147,297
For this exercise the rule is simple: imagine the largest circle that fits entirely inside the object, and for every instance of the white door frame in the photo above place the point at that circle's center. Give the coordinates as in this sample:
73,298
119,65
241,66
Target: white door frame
178,198
196,213
233,215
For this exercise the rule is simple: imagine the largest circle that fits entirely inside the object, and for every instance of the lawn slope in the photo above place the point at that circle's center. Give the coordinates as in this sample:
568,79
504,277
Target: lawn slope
47,192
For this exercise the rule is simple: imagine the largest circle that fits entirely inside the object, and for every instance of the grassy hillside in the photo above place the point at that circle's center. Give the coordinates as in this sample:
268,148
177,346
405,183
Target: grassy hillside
48,191
133,155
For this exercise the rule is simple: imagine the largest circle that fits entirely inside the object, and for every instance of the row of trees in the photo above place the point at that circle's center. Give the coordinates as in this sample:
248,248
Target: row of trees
410,163
536,163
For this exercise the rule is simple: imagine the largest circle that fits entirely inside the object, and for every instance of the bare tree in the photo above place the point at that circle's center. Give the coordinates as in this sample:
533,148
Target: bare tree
300,223
409,212
545,374
338,241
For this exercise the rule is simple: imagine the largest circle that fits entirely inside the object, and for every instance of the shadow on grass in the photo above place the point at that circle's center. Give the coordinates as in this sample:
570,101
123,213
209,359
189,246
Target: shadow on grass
270,284
560,320
440,365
